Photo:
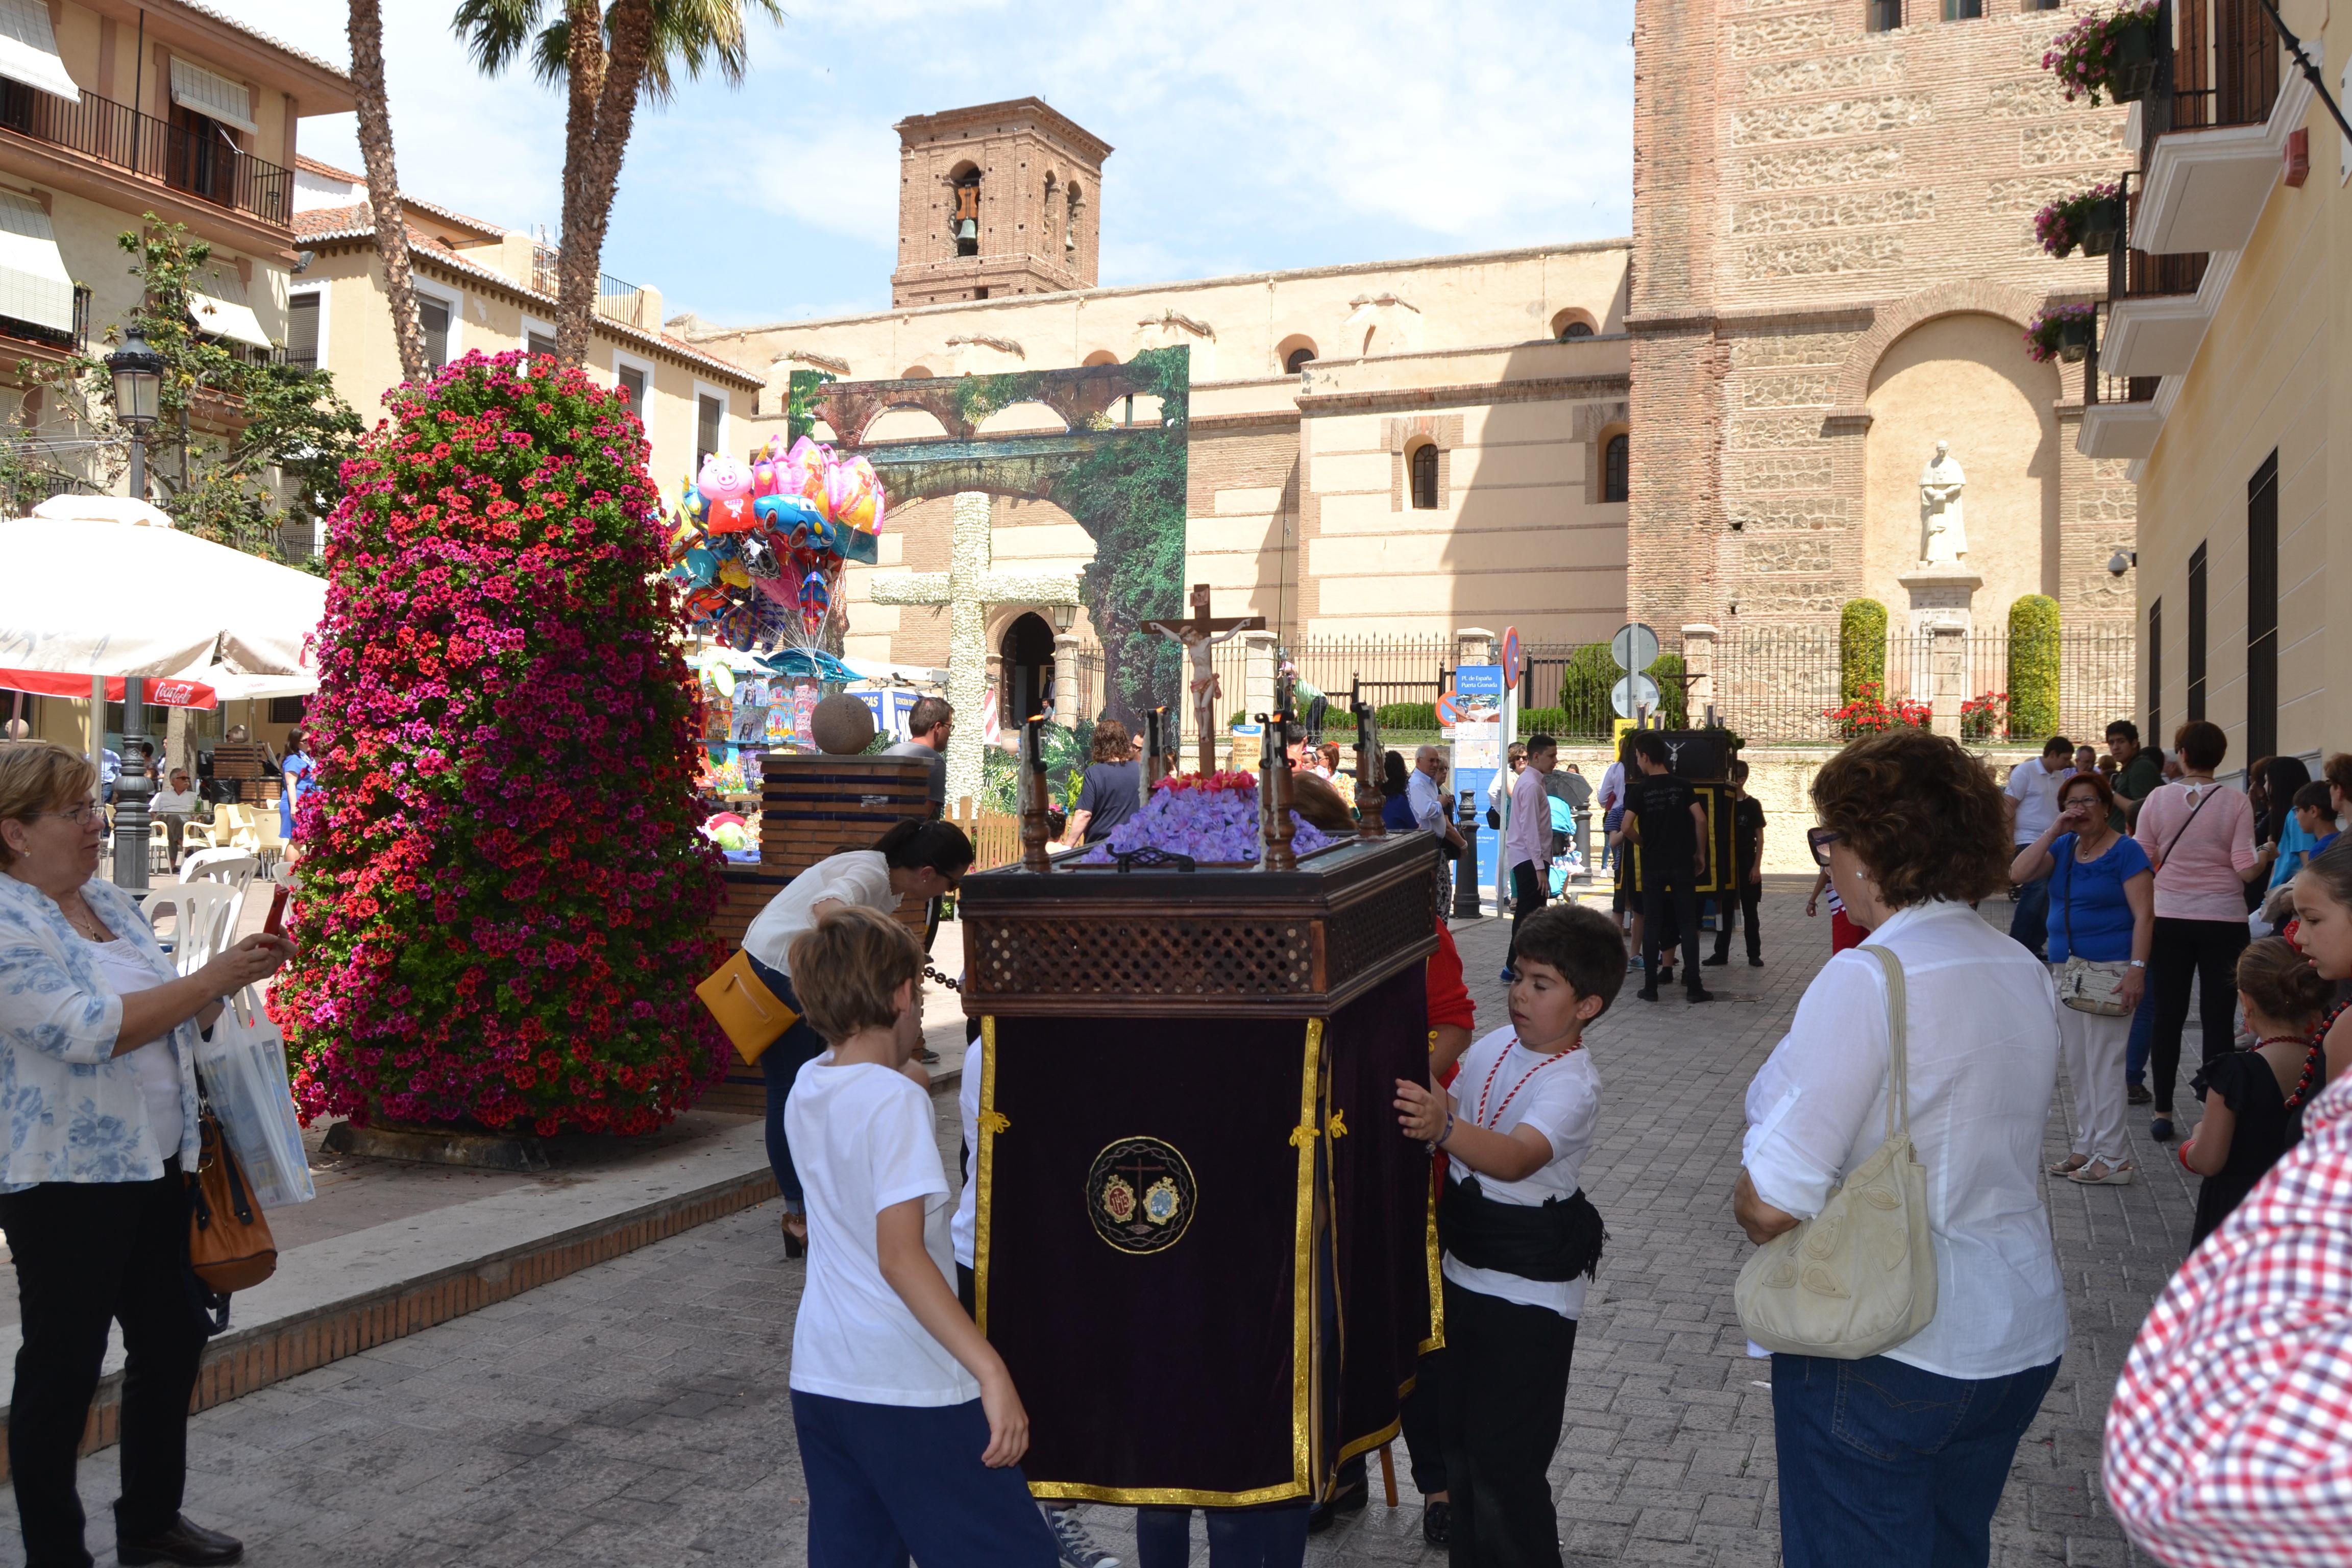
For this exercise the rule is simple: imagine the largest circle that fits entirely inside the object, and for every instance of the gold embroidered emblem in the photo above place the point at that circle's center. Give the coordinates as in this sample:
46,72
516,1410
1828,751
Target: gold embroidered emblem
1140,1194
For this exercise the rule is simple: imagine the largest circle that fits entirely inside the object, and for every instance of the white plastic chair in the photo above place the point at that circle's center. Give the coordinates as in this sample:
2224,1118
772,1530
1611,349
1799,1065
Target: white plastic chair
204,919
232,867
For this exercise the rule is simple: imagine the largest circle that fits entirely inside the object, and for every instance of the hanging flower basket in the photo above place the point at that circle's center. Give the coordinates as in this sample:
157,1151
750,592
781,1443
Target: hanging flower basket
2090,219
2111,52
2061,332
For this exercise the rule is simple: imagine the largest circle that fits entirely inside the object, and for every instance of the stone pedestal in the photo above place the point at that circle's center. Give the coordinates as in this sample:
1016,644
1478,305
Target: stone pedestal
1698,664
1257,674
1948,663
1941,595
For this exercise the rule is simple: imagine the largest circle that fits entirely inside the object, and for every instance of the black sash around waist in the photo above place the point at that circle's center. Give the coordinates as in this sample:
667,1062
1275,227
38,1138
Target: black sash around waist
1554,1241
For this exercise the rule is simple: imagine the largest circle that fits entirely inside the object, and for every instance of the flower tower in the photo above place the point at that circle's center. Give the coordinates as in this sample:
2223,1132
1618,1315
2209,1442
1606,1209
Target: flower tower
502,897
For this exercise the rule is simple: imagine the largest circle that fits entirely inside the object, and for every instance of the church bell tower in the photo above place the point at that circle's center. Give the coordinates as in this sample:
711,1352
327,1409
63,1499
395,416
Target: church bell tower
994,200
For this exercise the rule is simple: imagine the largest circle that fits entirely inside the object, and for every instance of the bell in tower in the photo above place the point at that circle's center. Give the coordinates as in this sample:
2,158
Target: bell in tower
967,214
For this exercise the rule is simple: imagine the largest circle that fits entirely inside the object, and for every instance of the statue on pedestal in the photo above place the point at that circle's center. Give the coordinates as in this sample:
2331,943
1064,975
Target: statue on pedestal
1944,532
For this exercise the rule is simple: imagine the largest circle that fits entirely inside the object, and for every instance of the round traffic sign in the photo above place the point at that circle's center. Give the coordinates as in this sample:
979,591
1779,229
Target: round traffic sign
1632,693
1510,656
1635,647
1449,711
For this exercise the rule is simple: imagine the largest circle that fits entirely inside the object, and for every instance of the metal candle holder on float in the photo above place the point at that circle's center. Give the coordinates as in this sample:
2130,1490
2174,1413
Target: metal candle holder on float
1189,1176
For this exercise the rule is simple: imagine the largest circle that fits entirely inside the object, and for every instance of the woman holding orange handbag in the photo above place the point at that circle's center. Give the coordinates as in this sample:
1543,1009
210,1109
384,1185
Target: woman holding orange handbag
98,1099
921,860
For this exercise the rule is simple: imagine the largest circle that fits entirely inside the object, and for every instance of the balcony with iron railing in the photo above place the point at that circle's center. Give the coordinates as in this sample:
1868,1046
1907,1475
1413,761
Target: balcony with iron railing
2120,414
2158,309
120,139
2213,125
616,300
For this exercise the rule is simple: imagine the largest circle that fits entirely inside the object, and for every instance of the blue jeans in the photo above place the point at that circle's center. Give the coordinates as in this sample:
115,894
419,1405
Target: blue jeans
2031,923
779,1064
884,1480
2143,1036
1884,1464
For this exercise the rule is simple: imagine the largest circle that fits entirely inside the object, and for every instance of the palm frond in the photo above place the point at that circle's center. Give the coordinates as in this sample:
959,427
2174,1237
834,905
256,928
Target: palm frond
690,38
497,32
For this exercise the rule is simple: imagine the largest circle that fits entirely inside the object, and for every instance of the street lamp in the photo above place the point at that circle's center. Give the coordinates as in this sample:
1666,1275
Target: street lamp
138,372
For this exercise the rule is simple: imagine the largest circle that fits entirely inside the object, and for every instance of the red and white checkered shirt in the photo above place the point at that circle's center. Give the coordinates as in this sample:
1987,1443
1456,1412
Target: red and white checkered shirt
2230,1441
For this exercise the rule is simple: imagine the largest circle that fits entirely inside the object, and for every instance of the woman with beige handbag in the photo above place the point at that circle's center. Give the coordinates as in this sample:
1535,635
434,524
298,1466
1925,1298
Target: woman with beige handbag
1905,1283
2102,919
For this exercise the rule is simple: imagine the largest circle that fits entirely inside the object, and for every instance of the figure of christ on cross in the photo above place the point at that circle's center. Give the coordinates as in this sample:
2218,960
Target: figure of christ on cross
1197,637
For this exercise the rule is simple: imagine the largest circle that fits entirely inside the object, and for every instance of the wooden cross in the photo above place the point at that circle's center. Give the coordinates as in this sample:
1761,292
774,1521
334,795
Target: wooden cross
1198,636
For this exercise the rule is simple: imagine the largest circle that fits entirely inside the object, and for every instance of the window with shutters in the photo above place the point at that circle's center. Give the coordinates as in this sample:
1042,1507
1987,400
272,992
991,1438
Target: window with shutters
1616,469
708,412
302,331
434,315
2196,633
1963,10
2261,610
1883,15
538,343
633,387
1424,477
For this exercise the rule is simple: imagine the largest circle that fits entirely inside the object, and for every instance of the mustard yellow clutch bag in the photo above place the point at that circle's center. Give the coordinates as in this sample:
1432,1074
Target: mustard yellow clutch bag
746,1009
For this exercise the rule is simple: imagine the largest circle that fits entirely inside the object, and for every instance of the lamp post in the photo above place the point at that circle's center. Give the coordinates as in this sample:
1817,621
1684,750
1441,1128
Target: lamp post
138,372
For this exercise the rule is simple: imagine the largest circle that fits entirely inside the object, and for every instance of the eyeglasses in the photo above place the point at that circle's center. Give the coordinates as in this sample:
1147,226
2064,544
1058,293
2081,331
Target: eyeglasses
81,815
1818,839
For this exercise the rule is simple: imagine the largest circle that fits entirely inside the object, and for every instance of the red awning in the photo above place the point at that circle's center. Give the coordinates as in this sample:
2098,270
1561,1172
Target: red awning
162,691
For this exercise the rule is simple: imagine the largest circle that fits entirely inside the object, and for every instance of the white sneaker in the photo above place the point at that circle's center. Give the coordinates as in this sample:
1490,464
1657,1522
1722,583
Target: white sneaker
1077,1549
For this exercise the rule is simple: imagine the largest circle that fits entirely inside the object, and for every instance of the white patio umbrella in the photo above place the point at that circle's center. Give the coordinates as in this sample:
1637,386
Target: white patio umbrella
86,598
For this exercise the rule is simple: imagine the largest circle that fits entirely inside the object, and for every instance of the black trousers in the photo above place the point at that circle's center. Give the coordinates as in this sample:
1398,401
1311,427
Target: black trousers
1663,889
1743,903
2206,952
1507,1392
1423,1420
1529,884
88,1254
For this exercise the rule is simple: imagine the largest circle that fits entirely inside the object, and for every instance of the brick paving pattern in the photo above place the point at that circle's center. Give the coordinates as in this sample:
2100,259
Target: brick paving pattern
637,1412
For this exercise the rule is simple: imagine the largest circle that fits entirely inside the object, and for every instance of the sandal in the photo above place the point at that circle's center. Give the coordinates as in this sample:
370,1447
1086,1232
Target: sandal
2109,1176
2069,1166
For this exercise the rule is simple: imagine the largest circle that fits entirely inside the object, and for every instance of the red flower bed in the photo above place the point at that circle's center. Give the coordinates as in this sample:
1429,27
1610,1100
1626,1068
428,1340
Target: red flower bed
503,897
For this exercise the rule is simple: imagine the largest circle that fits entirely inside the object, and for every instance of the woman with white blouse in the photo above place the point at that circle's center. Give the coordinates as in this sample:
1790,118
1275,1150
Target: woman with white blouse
1900,1458
98,1107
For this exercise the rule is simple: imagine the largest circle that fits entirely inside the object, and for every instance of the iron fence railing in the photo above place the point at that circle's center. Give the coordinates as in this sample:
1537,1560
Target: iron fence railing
201,163
1785,686
616,300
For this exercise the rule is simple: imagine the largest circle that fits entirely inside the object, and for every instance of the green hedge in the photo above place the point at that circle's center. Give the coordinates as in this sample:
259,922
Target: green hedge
1552,721
1862,647
1415,716
2034,668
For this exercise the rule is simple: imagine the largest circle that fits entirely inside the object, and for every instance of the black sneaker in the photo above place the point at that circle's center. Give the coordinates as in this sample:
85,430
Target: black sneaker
1437,1521
1666,975
1072,1547
1754,962
185,1542
1347,1500
2137,1094
1698,994
2160,1128
1717,961
1647,992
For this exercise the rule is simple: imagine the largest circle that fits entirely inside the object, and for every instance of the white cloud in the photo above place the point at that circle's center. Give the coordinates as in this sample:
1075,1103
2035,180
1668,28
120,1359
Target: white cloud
1249,136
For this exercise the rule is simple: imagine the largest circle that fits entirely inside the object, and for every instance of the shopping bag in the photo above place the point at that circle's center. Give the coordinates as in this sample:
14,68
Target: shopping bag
243,1068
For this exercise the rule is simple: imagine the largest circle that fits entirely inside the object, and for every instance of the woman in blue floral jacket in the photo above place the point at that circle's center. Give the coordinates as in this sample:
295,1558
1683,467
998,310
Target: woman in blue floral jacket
98,1101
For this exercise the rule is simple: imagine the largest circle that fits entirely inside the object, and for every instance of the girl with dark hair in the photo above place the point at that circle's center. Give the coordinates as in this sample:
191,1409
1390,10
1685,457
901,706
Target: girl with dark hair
1396,806
2323,932
2254,1098
921,859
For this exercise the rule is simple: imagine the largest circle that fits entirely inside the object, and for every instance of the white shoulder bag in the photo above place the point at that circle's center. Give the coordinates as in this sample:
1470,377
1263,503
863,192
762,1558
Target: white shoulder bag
1859,1278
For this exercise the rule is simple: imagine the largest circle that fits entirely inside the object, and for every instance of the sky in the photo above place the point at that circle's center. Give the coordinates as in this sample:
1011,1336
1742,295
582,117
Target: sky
1249,136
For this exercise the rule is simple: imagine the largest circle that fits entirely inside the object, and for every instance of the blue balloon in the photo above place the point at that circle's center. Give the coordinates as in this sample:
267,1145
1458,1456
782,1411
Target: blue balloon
701,566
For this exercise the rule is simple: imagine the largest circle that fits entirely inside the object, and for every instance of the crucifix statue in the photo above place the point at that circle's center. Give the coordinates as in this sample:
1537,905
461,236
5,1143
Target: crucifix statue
1198,636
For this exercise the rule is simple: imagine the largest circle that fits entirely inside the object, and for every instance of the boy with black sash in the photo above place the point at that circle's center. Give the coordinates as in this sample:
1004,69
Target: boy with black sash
1520,1237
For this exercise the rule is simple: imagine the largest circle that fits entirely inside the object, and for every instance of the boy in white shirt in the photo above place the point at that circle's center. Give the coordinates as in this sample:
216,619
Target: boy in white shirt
910,1433
1521,1239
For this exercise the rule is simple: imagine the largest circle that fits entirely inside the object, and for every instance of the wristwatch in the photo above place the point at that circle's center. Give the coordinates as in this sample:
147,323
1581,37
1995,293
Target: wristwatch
2139,963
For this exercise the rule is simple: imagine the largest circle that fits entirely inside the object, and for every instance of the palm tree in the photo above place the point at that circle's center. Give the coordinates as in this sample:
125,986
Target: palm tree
366,30
607,61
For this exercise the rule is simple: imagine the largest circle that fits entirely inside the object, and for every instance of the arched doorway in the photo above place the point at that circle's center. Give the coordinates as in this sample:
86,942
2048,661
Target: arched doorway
1027,652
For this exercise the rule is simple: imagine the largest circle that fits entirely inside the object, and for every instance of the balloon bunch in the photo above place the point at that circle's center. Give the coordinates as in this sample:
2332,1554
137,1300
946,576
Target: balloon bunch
759,546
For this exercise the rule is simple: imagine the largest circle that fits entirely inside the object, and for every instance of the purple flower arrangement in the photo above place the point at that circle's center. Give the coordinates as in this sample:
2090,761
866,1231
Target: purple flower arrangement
1213,820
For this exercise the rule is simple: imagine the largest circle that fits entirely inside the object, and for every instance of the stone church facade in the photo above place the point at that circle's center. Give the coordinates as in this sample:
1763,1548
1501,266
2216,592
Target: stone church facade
1833,266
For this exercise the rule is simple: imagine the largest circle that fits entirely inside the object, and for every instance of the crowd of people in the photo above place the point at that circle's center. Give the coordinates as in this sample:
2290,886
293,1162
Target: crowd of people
2144,882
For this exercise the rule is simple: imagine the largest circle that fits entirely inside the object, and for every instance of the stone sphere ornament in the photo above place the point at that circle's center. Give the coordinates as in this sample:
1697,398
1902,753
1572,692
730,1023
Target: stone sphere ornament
842,726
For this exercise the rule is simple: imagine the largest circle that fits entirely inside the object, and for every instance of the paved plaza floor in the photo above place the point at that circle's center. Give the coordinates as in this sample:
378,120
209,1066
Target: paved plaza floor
637,1412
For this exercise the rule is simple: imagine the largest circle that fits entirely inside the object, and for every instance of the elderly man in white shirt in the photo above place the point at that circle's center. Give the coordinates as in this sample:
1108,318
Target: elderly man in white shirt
172,808
1424,790
1882,1454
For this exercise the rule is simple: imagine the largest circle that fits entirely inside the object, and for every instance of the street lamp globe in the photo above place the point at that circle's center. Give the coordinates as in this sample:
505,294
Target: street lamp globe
138,372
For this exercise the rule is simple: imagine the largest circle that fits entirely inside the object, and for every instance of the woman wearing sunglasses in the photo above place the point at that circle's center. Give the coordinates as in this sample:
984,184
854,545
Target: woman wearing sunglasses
1900,1458
98,1105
